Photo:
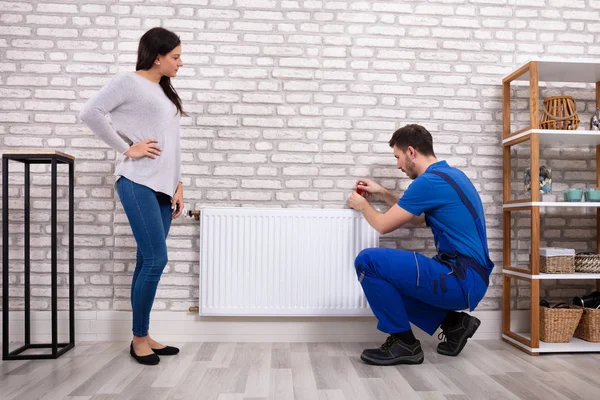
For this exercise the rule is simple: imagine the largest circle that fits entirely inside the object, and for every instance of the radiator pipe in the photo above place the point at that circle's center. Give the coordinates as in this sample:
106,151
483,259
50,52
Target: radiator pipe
192,214
194,309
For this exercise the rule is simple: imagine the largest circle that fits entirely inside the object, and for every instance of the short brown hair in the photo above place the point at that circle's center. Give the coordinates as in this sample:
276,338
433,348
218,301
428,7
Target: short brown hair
413,135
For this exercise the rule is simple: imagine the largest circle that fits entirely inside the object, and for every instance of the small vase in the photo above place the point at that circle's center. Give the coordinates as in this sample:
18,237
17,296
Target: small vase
595,121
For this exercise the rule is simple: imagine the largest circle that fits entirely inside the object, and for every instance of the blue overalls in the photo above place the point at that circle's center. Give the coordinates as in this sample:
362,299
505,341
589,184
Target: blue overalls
403,286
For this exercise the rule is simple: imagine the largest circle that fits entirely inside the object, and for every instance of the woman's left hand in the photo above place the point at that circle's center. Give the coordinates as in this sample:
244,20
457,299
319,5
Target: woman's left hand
177,203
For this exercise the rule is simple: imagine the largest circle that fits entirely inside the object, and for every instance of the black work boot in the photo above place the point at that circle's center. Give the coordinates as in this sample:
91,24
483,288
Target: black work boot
455,336
394,351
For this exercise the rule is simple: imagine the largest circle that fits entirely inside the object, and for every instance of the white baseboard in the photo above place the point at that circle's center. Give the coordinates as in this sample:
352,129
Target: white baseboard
178,326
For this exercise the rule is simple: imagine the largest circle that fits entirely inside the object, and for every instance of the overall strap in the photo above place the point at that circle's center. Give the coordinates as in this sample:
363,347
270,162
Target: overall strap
460,193
473,213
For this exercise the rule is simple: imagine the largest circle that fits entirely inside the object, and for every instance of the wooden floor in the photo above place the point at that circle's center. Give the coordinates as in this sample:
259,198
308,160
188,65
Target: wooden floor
311,371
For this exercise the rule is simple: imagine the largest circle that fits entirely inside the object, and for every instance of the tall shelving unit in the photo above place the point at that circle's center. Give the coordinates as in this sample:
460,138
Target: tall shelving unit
534,72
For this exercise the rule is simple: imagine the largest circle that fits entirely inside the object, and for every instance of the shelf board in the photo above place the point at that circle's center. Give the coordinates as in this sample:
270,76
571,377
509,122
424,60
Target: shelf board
577,275
588,204
560,71
553,137
574,346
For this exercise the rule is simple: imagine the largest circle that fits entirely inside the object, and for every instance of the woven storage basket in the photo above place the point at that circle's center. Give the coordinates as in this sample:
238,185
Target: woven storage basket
589,325
589,263
557,264
555,260
559,113
557,325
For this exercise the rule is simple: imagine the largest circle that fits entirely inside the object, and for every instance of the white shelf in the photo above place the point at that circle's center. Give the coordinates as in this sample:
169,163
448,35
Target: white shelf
589,204
575,276
553,137
574,346
585,71
559,71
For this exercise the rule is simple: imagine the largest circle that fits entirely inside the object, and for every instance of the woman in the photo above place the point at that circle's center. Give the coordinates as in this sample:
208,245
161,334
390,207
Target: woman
145,111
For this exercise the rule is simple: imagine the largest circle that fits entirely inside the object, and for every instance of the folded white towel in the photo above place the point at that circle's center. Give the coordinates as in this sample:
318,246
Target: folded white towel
556,251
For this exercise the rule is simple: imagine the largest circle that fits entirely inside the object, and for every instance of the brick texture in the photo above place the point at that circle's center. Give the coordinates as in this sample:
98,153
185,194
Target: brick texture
289,102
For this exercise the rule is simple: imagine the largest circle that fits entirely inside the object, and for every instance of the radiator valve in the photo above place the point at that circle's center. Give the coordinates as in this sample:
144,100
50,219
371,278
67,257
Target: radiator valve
191,214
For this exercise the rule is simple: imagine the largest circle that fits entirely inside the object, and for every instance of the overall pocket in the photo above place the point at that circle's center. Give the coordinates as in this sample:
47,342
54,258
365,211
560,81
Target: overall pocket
475,289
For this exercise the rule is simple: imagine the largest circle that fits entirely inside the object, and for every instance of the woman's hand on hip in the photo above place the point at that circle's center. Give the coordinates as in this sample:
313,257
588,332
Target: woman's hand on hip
147,148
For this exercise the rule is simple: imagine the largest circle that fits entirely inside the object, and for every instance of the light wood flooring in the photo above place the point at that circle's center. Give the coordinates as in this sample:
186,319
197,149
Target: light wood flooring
487,369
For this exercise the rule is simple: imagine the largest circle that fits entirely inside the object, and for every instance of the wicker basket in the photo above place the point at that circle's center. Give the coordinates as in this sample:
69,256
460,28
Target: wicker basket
559,113
557,325
589,325
557,264
589,263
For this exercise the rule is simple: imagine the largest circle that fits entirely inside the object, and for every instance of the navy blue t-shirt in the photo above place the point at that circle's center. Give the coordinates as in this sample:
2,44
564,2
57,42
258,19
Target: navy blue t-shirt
432,195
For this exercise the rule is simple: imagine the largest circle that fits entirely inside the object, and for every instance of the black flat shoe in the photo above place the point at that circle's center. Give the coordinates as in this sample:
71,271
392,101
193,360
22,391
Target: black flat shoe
166,351
150,359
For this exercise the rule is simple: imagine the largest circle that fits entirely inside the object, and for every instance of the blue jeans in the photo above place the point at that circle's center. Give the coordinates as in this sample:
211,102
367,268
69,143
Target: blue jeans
149,215
404,286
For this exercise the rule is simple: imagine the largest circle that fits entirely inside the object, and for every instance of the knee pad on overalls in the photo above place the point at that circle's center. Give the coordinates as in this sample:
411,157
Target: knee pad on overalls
364,263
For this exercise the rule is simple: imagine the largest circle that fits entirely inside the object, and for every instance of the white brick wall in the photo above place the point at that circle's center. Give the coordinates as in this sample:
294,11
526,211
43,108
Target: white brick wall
289,102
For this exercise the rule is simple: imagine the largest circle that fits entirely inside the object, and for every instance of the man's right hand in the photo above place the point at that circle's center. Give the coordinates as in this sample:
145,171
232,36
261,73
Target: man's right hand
147,148
368,186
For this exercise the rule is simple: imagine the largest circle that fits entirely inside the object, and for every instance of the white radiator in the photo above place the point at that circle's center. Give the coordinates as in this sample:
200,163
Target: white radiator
264,262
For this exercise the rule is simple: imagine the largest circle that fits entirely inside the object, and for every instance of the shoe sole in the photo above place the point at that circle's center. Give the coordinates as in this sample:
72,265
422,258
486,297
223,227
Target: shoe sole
416,359
471,329
144,362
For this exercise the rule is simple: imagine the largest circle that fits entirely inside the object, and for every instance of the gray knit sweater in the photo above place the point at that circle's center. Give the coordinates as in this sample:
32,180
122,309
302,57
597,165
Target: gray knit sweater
138,110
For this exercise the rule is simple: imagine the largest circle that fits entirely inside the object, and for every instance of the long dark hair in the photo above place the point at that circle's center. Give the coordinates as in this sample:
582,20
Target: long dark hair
159,41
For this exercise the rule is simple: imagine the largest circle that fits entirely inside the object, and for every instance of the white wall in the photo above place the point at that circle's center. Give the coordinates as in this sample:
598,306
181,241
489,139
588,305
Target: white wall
289,103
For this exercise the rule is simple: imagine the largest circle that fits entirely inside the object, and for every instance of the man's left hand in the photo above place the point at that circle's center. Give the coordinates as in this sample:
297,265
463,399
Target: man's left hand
356,201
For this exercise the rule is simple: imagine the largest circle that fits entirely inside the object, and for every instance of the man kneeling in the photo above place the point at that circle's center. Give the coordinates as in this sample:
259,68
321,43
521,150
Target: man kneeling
404,286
